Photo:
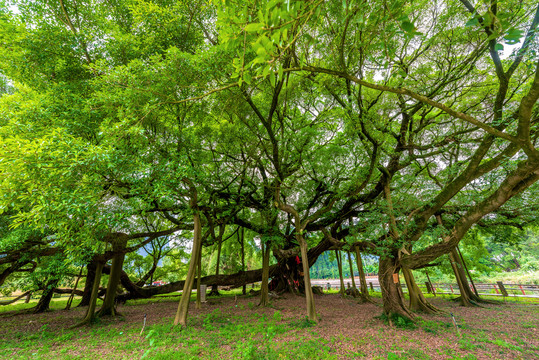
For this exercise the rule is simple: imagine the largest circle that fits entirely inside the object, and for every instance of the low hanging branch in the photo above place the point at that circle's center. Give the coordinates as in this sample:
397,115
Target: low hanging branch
3,303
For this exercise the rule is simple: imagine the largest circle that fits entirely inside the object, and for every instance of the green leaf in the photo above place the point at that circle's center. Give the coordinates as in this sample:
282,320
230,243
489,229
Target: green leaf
472,22
272,78
513,36
498,47
408,26
254,27
247,78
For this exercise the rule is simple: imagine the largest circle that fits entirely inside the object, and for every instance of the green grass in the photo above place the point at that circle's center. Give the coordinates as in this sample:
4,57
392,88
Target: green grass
256,335
216,335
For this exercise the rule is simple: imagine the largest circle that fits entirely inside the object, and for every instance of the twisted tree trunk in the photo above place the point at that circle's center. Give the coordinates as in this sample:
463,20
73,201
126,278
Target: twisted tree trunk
418,302
391,295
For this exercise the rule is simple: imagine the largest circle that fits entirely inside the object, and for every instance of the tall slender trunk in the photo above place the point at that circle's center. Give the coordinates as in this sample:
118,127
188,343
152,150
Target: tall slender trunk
363,290
199,275
467,271
70,300
418,302
214,288
467,297
351,269
90,312
183,306
264,288
339,266
311,312
391,294
242,242
430,282
108,307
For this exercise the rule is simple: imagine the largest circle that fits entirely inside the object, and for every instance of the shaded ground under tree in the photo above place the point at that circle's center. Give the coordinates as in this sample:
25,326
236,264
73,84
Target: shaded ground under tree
346,329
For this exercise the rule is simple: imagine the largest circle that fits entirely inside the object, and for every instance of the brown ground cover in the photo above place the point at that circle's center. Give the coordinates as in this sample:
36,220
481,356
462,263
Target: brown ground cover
225,328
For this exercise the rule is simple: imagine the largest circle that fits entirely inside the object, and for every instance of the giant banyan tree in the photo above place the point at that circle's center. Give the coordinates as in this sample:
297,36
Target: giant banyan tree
369,127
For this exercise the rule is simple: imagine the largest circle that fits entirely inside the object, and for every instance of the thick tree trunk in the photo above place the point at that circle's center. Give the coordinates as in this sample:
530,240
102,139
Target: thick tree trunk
339,266
183,306
391,294
363,290
89,284
108,306
45,299
287,276
264,287
418,302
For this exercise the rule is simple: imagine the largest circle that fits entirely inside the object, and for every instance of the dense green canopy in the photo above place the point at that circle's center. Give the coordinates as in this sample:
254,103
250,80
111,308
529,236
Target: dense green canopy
392,127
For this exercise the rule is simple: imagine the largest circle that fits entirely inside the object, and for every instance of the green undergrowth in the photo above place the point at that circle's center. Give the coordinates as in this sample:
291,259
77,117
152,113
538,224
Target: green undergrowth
398,321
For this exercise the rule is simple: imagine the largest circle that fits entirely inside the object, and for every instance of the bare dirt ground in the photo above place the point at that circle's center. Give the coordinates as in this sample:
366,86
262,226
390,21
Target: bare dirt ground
346,330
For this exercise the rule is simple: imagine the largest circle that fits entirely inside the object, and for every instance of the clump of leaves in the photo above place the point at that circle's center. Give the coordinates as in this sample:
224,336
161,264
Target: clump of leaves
303,323
434,327
398,320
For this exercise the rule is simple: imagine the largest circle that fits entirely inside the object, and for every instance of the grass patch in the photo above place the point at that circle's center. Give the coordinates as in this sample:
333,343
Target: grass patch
398,321
434,327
